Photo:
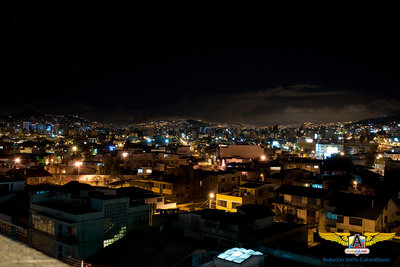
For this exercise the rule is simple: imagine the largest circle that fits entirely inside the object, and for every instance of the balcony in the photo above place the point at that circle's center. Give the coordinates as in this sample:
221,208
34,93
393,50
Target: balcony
303,205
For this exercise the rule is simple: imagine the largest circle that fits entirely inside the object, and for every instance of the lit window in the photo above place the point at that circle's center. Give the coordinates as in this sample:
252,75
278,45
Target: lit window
116,237
140,170
236,204
331,216
221,203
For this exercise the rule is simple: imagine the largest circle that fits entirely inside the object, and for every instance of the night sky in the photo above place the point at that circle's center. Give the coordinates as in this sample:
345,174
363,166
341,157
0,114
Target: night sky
258,66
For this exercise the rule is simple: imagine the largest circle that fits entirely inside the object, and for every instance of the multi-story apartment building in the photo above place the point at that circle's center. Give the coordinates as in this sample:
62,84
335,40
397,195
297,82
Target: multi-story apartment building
304,164
154,159
300,205
76,220
324,151
247,193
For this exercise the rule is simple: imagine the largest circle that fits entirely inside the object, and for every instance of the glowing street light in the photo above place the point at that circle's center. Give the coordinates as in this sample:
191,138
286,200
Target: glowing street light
74,148
78,164
263,158
211,195
355,185
17,160
124,156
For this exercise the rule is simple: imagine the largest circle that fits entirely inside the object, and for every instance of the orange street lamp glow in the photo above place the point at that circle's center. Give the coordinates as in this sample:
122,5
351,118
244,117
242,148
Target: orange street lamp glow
78,164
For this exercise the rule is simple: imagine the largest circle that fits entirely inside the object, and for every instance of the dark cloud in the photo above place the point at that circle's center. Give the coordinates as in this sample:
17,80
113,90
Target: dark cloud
297,91
282,104
248,65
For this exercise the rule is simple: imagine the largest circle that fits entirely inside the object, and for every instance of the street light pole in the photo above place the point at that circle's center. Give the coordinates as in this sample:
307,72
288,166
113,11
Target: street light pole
124,156
78,164
212,195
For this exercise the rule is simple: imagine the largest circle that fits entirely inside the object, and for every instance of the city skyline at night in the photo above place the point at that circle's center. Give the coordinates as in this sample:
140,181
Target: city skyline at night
199,135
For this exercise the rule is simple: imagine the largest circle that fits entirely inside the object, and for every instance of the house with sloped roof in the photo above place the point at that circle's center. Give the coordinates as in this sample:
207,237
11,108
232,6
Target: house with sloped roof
32,175
354,213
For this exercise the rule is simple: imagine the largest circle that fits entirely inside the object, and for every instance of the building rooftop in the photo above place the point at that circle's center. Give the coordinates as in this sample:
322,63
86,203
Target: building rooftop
360,206
224,217
32,172
68,207
136,192
256,211
5,179
36,172
302,191
75,186
303,160
253,185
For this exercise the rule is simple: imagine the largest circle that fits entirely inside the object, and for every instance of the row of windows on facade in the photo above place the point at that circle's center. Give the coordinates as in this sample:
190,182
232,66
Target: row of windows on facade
340,219
310,200
163,186
233,179
223,203
121,233
115,209
301,166
43,224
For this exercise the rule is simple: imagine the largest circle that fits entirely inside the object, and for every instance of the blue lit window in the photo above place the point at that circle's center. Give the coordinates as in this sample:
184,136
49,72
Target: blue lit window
317,186
331,216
